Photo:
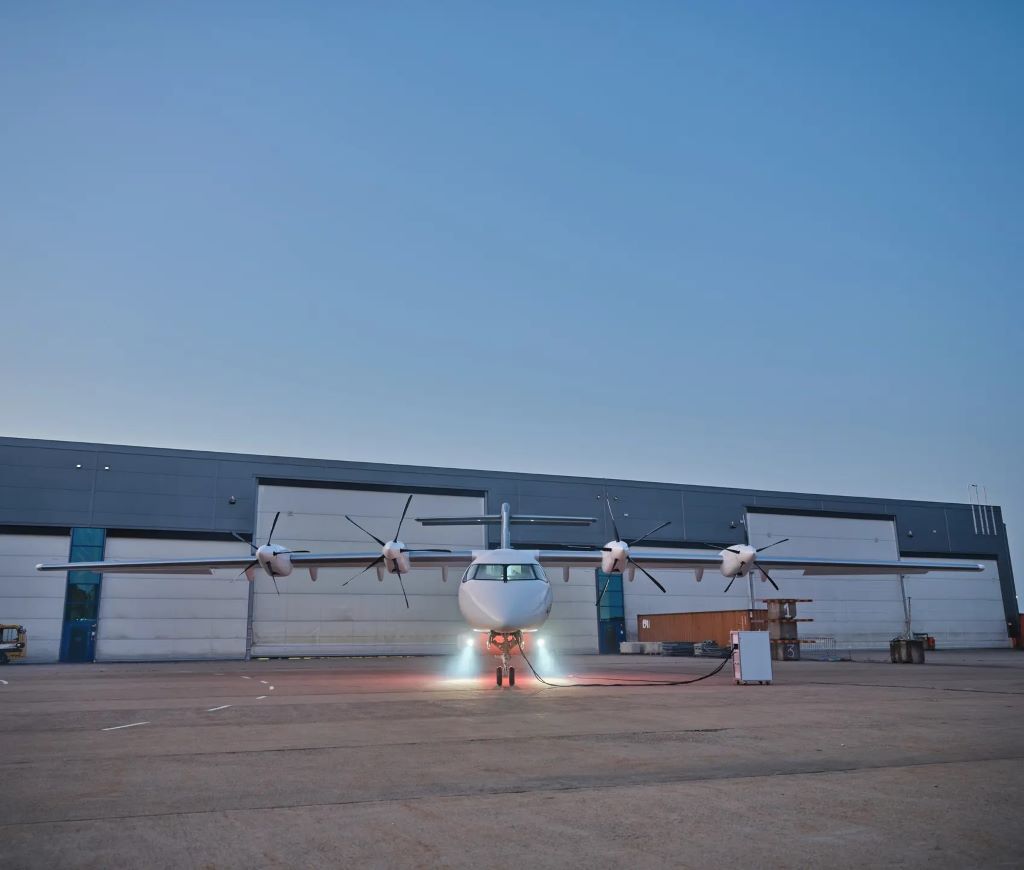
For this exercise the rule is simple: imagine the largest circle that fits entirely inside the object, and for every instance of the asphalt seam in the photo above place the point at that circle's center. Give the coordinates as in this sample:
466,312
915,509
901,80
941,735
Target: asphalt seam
517,791
624,735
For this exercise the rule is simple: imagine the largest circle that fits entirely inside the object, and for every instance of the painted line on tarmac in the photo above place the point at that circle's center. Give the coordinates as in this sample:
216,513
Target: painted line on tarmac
4,682
261,697
215,709
118,727
246,678
265,683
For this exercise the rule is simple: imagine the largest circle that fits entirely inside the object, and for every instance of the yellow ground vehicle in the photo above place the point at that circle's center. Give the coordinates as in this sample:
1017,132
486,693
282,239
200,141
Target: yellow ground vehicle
13,643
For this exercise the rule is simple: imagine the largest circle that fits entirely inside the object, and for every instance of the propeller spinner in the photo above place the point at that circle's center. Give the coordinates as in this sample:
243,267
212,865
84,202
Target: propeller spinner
271,557
616,558
737,560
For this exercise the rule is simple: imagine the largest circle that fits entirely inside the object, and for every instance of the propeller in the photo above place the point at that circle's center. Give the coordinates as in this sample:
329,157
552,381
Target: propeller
629,559
385,544
753,561
253,550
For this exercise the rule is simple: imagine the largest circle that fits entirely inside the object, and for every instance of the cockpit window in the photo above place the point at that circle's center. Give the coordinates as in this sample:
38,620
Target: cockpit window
507,572
489,572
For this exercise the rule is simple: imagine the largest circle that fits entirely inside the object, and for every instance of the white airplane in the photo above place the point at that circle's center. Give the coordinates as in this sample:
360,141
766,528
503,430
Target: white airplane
505,592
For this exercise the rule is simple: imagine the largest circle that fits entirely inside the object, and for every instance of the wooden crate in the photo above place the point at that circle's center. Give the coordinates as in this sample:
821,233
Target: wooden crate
709,625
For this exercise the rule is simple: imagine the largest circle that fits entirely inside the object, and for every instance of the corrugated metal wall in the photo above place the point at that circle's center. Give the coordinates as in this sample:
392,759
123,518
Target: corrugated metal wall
145,617
865,612
32,599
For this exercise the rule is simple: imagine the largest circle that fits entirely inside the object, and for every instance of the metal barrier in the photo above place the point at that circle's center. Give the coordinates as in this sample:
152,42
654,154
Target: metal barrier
821,648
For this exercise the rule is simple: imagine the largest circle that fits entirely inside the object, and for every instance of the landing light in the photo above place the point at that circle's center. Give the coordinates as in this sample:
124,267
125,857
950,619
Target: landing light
541,641
469,641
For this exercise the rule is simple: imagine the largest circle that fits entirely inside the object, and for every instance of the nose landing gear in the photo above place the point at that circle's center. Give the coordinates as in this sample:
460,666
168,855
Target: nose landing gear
504,643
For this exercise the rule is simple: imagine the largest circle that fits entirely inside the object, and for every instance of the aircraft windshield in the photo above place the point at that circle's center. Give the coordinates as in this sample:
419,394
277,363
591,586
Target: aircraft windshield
505,572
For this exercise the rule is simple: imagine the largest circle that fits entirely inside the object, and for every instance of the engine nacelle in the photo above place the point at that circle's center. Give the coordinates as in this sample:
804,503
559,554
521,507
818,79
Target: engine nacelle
614,557
395,559
274,560
736,561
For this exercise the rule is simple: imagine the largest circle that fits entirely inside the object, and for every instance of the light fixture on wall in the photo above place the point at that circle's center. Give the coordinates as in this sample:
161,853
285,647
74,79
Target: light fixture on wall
232,499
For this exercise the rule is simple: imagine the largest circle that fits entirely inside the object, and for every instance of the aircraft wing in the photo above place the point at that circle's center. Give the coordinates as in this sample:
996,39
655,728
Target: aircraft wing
667,559
453,559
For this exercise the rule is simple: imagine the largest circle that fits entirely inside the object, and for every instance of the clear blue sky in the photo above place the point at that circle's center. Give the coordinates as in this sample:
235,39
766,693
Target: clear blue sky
769,245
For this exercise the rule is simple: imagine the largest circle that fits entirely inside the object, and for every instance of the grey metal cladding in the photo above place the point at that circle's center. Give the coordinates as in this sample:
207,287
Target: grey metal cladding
155,484
178,489
42,454
146,504
848,506
771,500
179,466
36,476
715,517
31,501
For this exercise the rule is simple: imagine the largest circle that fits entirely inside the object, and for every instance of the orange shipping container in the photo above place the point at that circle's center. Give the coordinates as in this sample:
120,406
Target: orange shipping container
710,625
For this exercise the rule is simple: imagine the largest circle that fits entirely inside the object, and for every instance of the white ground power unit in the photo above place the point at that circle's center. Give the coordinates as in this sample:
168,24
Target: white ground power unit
751,657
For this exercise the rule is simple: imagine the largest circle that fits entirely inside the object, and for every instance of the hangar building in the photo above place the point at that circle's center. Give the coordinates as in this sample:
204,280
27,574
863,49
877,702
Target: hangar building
96,501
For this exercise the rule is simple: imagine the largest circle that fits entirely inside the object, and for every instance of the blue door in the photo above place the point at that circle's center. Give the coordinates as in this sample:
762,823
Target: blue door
611,615
79,641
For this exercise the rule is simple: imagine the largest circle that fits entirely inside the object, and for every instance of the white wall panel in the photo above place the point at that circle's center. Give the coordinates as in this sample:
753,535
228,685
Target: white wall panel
959,610
572,625
173,616
30,598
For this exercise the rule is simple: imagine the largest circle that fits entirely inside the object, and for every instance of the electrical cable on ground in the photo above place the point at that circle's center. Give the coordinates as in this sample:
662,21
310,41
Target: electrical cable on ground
635,684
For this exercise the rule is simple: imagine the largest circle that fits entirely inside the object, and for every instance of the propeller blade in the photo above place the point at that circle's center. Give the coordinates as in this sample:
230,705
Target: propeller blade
297,551
405,510
650,576
651,532
249,544
720,547
273,577
772,544
252,564
731,581
767,576
375,562
273,526
425,550
378,540
615,527
604,589
400,583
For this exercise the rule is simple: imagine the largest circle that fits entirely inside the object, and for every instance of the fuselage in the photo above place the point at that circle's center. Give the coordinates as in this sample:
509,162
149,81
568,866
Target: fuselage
505,590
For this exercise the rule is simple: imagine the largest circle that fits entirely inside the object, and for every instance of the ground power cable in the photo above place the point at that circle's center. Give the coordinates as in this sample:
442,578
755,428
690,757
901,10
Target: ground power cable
635,684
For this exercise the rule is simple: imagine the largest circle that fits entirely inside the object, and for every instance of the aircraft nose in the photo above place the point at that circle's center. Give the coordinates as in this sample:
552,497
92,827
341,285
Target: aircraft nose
508,606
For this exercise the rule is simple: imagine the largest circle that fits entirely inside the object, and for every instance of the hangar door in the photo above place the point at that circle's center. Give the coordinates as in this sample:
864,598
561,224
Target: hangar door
148,617
30,598
366,617
866,611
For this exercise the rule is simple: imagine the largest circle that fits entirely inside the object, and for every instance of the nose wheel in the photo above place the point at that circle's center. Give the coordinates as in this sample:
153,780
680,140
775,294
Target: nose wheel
505,673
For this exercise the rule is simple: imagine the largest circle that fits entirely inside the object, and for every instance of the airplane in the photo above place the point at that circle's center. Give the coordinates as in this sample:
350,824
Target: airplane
505,592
